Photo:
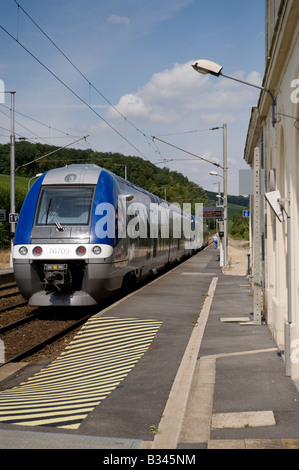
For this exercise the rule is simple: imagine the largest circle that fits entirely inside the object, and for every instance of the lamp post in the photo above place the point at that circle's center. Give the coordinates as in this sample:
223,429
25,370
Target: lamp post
208,67
165,189
214,173
225,238
224,127
33,177
12,170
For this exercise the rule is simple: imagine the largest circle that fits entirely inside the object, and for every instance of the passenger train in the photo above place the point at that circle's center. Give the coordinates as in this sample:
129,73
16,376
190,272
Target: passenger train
84,232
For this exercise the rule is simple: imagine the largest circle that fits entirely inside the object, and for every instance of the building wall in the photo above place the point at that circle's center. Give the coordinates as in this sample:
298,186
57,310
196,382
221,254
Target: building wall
272,10
281,154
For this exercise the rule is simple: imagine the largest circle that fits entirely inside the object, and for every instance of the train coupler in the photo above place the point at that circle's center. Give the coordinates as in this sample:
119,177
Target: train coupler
55,274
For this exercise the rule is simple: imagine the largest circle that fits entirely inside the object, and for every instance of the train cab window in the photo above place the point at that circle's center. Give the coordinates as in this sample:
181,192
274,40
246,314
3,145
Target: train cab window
64,206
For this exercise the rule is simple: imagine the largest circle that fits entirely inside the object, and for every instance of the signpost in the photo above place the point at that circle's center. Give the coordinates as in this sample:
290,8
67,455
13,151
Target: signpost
13,218
218,214
212,213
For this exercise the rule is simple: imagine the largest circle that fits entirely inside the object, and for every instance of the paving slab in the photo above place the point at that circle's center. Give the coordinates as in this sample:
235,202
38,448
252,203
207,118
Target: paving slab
243,419
43,440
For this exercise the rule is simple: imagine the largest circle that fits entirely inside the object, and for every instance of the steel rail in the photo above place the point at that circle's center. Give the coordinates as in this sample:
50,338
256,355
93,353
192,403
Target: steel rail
42,344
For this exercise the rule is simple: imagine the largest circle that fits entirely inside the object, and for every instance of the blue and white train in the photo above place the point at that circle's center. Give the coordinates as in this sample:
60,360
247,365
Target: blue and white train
84,232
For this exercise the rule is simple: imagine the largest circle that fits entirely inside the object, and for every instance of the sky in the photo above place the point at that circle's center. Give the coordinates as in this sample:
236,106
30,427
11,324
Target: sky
117,75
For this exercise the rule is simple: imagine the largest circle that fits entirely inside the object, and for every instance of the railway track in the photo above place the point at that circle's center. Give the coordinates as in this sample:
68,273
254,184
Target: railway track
17,323
10,298
9,290
26,330
38,333
42,343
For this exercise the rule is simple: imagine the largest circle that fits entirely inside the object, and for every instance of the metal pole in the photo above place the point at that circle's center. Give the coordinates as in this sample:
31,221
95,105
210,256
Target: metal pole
288,320
225,240
273,100
12,167
257,318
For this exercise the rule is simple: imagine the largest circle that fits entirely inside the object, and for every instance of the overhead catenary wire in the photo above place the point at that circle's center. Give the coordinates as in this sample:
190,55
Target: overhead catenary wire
24,127
73,64
19,136
66,134
72,91
190,153
50,153
78,70
187,132
83,76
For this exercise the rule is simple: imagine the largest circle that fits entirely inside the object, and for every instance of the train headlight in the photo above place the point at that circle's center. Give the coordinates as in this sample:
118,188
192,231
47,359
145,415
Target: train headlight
81,250
70,178
97,250
23,250
37,251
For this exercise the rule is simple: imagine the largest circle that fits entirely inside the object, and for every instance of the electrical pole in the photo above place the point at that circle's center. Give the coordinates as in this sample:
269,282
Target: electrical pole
12,166
257,289
225,193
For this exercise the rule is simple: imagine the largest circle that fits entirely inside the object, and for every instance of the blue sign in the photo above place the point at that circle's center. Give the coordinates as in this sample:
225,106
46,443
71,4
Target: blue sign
246,213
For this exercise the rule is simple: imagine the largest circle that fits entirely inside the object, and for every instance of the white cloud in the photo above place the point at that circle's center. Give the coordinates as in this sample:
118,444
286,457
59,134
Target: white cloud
217,117
116,19
174,93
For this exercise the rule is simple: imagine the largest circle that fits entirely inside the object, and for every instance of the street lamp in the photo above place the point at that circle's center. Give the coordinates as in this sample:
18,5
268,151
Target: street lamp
208,67
224,226
33,177
225,241
165,189
214,173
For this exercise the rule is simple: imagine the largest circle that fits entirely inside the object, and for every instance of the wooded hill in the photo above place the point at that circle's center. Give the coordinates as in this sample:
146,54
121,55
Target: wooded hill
140,172
28,163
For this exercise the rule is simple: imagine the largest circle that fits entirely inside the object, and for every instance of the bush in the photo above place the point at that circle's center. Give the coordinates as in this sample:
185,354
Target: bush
5,204
240,227
4,235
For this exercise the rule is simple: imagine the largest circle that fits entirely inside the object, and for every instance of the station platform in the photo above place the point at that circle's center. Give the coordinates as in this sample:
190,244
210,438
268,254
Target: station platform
229,391
6,276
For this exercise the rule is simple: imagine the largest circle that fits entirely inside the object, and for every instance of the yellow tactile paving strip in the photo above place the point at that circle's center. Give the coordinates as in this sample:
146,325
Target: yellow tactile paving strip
91,367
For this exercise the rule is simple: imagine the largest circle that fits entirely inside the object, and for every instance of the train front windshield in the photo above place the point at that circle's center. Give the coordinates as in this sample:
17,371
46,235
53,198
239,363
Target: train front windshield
64,206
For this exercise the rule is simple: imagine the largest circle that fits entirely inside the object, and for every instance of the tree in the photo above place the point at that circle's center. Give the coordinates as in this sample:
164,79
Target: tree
240,227
140,172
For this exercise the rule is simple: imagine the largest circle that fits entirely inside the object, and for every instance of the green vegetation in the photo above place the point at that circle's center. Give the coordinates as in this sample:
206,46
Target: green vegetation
159,181
239,226
21,190
154,429
232,200
140,172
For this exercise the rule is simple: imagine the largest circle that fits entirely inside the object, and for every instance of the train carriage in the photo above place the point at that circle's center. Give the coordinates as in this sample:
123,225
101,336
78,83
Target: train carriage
84,232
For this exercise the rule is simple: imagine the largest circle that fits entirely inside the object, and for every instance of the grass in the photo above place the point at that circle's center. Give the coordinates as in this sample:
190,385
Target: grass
4,258
20,181
154,429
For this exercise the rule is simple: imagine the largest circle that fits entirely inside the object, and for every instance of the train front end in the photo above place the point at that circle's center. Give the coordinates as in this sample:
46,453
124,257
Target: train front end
57,257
